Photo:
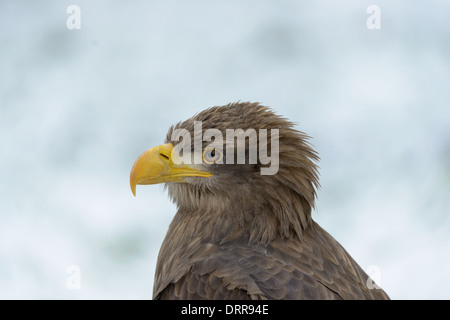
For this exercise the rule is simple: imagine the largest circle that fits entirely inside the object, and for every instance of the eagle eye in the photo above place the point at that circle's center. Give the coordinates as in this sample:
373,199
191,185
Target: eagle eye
212,155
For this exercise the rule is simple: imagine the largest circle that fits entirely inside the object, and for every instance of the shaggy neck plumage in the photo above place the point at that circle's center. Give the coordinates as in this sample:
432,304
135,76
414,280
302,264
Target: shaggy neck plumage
272,210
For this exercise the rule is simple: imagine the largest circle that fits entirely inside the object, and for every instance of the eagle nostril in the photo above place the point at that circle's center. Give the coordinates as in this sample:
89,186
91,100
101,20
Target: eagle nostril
164,156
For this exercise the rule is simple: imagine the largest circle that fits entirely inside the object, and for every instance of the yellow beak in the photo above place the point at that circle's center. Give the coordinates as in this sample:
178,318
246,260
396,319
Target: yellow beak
156,166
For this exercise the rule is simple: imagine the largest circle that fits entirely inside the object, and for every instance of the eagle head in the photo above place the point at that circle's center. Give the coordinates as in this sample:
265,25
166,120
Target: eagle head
241,160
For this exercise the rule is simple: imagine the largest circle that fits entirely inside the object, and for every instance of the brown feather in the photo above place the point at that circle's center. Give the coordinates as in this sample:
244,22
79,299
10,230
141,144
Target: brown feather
241,235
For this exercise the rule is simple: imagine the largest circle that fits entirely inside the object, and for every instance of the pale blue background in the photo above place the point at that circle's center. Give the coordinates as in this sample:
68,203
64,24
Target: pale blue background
78,106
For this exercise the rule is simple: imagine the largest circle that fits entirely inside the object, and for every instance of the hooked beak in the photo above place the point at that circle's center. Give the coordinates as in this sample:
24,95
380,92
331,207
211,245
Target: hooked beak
156,166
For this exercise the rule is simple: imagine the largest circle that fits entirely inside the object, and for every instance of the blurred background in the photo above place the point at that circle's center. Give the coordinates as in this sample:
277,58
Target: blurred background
78,106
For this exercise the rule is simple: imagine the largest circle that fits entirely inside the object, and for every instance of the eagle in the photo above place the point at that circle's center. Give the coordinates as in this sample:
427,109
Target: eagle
243,227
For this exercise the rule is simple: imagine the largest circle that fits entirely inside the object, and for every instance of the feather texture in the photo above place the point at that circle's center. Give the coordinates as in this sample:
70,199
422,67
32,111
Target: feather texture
242,235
